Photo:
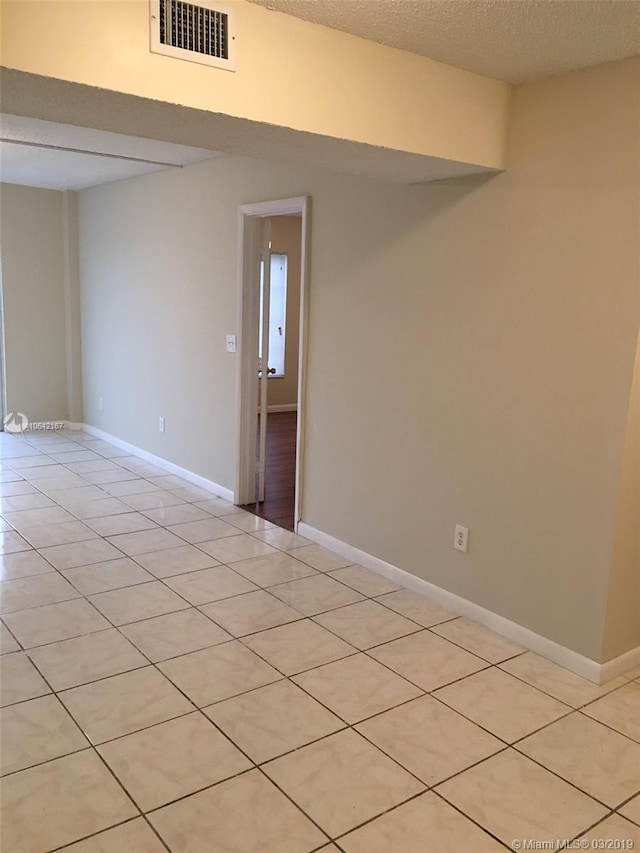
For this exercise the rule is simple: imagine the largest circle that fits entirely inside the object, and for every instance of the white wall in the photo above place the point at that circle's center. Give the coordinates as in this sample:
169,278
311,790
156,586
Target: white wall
471,347
33,281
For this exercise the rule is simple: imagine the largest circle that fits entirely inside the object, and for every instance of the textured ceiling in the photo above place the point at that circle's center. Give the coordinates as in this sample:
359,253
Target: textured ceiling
511,40
56,156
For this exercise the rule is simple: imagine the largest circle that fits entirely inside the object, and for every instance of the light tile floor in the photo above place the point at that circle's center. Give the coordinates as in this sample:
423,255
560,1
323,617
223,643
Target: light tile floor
181,675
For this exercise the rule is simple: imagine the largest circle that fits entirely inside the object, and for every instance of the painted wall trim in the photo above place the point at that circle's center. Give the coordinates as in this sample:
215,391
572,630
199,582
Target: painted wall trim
620,665
171,467
561,655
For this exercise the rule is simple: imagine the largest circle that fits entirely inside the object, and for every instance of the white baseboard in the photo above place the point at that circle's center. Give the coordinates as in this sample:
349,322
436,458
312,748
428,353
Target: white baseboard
283,407
196,479
563,656
599,673
618,666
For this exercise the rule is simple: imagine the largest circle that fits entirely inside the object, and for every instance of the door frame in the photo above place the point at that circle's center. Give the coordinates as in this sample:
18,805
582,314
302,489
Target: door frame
249,216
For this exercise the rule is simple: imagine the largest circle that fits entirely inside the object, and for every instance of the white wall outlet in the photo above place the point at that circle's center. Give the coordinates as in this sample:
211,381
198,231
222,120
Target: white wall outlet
161,424
231,343
100,403
461,538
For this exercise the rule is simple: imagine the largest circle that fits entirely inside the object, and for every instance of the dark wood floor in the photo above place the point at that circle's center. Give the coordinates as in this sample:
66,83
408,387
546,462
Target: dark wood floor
280,478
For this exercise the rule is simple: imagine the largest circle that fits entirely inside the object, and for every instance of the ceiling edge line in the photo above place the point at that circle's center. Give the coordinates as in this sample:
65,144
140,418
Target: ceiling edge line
90,153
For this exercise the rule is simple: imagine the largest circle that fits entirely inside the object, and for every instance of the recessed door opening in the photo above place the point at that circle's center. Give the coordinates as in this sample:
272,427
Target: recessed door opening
273,285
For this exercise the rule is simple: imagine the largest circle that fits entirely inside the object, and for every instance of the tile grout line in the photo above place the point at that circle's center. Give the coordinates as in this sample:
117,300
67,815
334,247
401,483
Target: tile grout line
347,726
196,709
108,829
91,746
199,710
195,607
567,781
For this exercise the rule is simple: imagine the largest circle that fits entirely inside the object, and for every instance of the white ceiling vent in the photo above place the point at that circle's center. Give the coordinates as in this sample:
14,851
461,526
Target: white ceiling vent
203,33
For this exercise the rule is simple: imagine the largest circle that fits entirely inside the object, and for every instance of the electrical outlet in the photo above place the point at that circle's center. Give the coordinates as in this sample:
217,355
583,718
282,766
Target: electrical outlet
461,538
161,425
100,403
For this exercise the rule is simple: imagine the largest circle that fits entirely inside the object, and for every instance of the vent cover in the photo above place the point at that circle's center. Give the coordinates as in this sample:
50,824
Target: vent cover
201,33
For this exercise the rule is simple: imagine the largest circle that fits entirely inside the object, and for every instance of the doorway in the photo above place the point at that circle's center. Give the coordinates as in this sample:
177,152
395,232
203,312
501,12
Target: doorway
273,290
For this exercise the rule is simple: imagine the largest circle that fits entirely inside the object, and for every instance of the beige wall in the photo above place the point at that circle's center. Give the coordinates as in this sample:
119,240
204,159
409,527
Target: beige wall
33,283
622,628
484,343
471,347
286,237
290,73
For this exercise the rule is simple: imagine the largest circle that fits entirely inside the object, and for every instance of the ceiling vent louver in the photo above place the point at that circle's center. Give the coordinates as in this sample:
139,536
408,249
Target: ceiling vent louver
203,33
